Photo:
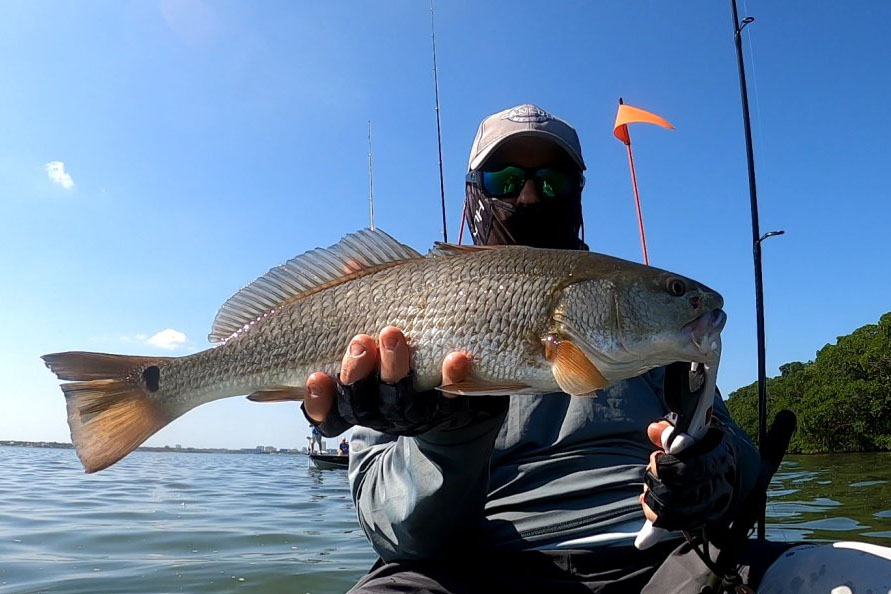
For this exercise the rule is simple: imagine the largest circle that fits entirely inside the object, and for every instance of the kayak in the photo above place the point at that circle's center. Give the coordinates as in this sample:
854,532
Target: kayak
837,568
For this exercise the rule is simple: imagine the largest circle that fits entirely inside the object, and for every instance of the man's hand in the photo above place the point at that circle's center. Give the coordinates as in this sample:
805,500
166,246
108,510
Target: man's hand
388,405
693,488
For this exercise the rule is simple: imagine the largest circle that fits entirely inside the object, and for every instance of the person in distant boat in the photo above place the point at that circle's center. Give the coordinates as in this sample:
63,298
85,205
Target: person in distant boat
524,493
316,438
344,447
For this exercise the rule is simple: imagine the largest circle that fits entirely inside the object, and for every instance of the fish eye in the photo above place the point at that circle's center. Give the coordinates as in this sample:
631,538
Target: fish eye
675,287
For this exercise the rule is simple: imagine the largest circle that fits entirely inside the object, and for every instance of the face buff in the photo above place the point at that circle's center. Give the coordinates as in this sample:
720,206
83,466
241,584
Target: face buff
552,223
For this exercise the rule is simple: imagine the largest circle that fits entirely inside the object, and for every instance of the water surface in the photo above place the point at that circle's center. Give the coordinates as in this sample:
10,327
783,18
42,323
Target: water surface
832,497
175,522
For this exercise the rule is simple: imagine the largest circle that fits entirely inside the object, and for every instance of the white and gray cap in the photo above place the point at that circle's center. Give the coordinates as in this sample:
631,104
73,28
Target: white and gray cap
523,120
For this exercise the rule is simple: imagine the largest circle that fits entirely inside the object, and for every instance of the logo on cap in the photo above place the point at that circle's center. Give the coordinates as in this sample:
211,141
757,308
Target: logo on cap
527,113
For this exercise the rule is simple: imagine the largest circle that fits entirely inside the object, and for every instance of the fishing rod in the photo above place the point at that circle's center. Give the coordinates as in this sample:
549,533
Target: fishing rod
757,238
445,234
370,181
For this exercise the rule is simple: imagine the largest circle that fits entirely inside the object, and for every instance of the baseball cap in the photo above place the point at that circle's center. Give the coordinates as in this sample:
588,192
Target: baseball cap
523,120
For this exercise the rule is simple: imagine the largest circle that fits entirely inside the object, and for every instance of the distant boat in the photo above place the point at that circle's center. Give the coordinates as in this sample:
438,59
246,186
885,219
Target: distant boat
329,461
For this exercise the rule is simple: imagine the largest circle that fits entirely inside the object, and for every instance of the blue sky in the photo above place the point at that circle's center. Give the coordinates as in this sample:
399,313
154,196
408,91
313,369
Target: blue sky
157,156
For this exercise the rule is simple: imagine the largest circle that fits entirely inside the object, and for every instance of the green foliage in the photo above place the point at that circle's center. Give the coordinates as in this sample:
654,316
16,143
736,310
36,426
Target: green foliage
842,398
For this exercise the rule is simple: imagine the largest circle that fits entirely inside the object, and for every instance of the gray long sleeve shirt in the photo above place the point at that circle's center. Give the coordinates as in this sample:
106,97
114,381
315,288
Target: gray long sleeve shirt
551,469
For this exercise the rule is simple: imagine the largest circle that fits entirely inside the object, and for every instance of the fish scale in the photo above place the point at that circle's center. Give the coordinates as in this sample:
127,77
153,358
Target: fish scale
507,298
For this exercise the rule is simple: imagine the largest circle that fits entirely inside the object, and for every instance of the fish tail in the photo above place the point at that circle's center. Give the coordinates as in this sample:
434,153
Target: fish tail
110,411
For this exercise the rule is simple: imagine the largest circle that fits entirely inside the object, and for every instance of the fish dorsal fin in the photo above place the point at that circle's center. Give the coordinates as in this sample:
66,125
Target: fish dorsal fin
450,249
355,255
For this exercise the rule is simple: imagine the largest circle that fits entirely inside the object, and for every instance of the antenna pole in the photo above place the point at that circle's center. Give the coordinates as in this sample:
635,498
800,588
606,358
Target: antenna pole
370,180
445,235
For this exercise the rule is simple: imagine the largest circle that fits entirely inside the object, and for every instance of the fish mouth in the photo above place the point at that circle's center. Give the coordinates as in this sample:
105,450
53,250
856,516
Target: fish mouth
705,331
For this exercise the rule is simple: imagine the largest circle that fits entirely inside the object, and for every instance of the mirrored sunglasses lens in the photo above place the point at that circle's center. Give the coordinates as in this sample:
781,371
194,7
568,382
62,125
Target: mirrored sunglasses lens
555,183
505,182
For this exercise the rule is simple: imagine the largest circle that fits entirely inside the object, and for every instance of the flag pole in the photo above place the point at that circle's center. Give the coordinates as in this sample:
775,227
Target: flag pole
640,224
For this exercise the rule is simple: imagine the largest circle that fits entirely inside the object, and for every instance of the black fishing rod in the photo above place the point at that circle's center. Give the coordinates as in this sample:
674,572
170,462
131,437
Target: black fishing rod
445,233
757,238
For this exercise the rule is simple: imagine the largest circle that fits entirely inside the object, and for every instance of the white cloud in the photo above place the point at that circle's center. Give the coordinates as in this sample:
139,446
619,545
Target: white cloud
168,339
55,170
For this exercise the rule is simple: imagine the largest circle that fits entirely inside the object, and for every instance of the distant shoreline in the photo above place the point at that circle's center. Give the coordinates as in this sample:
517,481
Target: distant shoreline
267,451
172,449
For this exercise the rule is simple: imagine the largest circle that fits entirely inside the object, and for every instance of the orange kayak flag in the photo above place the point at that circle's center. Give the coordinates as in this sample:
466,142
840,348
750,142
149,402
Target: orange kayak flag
634,115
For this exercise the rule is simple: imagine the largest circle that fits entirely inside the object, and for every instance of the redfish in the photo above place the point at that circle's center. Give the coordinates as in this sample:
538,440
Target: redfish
534,321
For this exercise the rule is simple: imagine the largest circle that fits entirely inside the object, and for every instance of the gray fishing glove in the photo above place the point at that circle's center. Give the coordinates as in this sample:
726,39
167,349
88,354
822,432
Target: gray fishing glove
696,487
397,409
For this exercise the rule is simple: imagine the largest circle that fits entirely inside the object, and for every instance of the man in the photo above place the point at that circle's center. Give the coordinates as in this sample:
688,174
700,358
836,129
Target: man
521,493
344,447
315,438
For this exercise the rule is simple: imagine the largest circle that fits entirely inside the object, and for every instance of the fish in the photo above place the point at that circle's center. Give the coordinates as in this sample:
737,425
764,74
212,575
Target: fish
534,321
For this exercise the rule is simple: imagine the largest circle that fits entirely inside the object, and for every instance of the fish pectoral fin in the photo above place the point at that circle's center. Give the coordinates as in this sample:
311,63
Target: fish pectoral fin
473,387
573,370
280,394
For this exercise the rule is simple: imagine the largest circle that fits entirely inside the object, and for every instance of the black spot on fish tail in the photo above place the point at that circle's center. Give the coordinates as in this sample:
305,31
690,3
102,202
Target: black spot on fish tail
152,377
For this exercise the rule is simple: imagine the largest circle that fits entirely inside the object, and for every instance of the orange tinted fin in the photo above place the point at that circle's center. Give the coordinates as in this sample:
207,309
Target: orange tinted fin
283,394
112,413
109,419
573,371
472,387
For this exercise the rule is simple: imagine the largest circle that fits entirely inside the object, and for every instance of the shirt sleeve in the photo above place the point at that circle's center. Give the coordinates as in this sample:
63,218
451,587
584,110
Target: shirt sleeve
422,497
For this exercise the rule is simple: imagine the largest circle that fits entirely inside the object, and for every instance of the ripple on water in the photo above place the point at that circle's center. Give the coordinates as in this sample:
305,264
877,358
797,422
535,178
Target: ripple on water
866,483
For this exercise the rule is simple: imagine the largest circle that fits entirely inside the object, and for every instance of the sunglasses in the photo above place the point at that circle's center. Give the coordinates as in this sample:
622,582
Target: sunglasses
507,182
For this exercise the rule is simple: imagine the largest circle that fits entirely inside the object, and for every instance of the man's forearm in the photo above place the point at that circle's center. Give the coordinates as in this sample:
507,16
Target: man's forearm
422,497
